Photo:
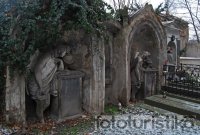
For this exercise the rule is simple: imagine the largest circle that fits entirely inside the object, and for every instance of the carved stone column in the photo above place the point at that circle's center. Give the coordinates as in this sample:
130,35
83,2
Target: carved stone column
97,91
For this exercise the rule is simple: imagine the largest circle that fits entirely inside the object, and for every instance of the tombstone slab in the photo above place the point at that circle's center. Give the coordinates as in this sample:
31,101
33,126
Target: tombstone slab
68,102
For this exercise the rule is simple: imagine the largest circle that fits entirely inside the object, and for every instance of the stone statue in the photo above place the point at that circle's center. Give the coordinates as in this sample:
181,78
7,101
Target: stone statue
171,42
141,62
171,53
146,60
136,68
43,66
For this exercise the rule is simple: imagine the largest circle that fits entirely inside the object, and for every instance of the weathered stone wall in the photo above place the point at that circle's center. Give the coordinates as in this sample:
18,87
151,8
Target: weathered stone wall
184,37
91,60
183,32
193,50
120,87
108,67
2,100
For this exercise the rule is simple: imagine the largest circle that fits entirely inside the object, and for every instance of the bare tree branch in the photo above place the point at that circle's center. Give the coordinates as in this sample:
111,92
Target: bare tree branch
188,10
193,22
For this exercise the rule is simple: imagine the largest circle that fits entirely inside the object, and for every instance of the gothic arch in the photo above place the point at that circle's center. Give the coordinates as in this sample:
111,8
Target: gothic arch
147,34
147,17
124,40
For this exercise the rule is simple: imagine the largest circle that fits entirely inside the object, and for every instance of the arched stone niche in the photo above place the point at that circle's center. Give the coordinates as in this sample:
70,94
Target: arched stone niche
145,39
143,33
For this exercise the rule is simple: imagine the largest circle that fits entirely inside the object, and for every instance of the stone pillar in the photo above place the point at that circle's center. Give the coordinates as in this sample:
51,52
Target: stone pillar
97,92
121,87
15,98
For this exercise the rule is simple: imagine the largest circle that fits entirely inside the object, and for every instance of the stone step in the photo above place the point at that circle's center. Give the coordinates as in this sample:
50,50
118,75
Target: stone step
156,109
164,112
176,105
195,100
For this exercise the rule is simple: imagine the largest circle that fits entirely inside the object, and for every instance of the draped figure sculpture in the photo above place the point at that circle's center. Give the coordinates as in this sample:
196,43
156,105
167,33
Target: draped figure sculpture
43,67
140,63
136,68
146,60
135,75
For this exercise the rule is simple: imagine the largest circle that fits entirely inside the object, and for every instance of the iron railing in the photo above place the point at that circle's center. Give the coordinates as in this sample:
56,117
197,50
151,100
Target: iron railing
183,80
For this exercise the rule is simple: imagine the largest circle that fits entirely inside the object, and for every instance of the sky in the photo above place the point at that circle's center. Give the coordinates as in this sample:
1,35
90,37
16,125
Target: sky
179,12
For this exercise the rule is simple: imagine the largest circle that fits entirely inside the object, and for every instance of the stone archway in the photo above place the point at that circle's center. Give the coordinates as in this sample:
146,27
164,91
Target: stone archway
145,20
147,34
144,40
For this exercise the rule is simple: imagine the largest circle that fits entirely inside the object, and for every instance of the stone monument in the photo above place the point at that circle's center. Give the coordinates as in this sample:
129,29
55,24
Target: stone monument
136,72
136,68
43,67
145,76
171,51
69,102
149,76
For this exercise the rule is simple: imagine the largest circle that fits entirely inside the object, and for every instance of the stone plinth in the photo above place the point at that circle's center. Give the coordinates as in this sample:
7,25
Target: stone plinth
150,82
68,102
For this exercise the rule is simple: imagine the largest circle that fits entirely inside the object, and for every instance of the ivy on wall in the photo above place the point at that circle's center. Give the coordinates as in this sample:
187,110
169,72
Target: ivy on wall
29,25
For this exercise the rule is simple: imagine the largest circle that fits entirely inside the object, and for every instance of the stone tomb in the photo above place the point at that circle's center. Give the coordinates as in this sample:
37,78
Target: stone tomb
142,32
68,102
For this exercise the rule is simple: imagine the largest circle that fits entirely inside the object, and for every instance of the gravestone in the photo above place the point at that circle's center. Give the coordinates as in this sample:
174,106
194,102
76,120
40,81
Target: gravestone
68,102
150,82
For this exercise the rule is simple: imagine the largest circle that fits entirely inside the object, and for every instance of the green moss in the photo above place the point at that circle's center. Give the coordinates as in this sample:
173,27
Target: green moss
111,110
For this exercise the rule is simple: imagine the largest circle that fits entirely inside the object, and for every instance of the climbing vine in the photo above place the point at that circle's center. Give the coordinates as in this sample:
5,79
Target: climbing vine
29,25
